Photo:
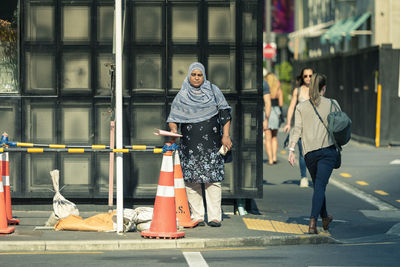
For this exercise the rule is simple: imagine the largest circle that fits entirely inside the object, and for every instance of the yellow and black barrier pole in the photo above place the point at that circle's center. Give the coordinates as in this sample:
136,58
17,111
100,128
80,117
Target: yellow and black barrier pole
155,150
21,144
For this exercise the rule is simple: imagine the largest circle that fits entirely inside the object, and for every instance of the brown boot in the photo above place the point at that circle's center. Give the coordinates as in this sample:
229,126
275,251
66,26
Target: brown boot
326,221
312,229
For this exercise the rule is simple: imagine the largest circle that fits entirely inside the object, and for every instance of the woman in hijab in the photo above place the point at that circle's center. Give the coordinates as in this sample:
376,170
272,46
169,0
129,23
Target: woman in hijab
200,109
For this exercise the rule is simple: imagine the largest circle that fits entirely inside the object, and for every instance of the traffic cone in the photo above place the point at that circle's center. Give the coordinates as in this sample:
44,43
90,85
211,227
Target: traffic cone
4,159
4,229
181,202
163,224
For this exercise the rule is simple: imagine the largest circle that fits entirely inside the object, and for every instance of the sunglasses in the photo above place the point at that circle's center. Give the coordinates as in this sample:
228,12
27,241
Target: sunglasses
305,76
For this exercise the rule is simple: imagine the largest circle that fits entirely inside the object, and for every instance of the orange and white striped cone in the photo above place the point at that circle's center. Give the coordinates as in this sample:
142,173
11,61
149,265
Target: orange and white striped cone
4,229
4,159
163,224
181,202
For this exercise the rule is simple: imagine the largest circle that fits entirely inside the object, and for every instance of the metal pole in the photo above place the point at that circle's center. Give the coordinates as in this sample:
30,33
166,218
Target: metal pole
118,113
112,141
268,29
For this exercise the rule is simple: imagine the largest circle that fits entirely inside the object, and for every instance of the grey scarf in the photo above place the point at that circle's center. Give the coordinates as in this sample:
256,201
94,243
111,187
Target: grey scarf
192,104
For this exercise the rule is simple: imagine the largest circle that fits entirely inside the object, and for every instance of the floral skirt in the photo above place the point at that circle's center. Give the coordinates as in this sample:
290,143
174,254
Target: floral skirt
200,160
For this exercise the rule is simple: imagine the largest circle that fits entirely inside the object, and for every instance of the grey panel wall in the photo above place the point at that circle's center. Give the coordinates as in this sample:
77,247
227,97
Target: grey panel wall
65,88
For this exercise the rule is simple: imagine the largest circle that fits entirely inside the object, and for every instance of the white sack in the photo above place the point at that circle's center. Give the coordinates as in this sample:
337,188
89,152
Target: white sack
62,206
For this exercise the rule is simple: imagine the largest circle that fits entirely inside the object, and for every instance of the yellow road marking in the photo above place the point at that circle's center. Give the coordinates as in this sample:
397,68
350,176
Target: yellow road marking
368,244
283,152
345,175
380,192
218,249
42,253
362,183
276,226
398,200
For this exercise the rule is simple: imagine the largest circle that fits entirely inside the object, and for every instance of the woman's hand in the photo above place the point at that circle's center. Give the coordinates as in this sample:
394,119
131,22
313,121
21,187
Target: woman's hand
292,158
265,124
173,129
286,129
226,142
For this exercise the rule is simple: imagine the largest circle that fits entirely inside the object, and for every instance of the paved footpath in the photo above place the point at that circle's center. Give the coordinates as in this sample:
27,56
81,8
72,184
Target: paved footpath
282,221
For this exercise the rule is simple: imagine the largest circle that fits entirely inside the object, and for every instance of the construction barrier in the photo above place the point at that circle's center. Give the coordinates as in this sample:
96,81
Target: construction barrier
4,161
181,202
78,150
4,229
163,224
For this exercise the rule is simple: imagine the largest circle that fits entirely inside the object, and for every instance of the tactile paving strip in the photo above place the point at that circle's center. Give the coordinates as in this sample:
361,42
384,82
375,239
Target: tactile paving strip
276,226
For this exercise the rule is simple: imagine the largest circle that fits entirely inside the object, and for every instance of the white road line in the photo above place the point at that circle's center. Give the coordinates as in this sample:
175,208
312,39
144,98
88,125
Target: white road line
396,161
361,194
194,259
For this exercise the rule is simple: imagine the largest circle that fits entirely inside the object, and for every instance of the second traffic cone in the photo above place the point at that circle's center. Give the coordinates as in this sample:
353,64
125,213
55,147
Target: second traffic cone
6,183
181,202
163,224
4,229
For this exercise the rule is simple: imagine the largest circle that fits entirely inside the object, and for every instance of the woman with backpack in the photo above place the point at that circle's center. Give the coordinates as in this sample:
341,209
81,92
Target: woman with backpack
319,149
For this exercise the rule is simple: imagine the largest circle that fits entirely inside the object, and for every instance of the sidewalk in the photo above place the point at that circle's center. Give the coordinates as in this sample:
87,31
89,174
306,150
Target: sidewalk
233,233
282,222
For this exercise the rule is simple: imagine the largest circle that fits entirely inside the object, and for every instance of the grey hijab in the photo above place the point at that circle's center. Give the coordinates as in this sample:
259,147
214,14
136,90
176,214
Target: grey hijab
193,104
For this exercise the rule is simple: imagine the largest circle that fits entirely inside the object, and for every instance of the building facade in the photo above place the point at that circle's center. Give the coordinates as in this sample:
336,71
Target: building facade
326,27
64,95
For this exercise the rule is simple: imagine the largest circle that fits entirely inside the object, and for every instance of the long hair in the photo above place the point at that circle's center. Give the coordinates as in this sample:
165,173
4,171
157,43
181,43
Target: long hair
273,83
299,79
318,81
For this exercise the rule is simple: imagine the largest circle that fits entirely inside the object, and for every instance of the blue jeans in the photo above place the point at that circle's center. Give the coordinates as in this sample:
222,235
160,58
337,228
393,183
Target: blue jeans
320,165
302,163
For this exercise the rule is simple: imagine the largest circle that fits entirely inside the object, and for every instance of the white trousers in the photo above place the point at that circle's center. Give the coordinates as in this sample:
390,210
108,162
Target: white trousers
213,201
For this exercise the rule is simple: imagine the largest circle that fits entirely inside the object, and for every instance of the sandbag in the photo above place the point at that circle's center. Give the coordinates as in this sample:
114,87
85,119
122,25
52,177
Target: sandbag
100,223
62,207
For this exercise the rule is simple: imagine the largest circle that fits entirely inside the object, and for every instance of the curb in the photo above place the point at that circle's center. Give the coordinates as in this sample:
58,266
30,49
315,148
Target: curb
151,244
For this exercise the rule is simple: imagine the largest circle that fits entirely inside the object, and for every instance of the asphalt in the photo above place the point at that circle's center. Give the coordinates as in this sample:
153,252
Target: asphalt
270,228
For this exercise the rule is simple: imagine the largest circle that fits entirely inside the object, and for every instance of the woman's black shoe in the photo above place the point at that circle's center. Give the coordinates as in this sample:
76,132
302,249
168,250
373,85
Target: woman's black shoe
214,224
200,223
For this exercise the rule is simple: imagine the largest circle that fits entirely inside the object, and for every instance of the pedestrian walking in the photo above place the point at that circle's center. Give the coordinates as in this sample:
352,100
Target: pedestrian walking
299,95
274,121
200,109
267,106
320,153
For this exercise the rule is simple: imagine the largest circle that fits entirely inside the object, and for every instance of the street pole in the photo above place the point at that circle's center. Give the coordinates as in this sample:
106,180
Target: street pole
118,113
268,30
